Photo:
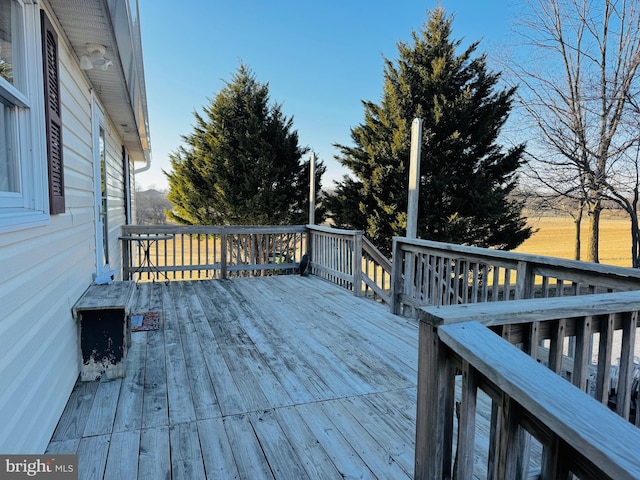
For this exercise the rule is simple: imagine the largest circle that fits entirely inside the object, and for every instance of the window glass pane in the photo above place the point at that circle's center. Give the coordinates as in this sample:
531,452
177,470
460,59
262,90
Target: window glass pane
6,44
9,165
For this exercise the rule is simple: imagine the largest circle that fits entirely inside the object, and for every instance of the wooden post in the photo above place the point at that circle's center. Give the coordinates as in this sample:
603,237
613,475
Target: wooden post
435,406
223,253
414,178
357,264
312,189
396,278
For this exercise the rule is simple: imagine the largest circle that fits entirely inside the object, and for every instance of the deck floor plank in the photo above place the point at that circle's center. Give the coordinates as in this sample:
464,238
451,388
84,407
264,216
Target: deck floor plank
270,386
246,448
181,408
92,457
292,352
216,450
235,347
155,455
123,454
203,395
342,454
130,401
364,442
74,418
155,405
103,409
282,457
394,438
313,456
230,400
186,455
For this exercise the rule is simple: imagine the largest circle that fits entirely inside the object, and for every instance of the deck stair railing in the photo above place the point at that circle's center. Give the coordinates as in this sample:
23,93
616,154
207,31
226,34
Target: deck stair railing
577,434
349,259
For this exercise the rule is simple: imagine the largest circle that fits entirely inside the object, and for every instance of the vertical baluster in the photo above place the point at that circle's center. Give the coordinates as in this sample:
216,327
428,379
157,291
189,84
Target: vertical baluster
474,283
485,282
545,286
604,358
582,359
495,284
447,282
191,252
558,331
456,282
507,284
625,374
465,451
433,280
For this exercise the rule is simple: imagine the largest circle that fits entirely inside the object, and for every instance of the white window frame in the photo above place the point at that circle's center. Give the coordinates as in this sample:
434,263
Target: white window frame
30,207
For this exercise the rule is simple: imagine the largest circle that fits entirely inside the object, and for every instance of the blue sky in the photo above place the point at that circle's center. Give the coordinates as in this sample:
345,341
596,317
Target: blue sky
320,59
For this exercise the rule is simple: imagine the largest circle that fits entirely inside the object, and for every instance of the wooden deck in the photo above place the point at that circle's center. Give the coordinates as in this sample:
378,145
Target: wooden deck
254,378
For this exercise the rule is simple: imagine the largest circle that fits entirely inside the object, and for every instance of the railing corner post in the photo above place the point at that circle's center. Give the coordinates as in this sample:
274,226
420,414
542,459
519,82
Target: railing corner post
126,259
223,254
435,406
524,280
357,264
396,277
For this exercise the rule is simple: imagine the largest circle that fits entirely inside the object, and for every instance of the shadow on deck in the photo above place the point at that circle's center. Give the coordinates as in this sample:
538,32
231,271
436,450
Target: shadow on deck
256,378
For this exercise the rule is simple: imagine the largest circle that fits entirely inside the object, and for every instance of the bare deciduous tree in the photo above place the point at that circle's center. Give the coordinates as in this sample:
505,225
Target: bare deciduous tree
577,85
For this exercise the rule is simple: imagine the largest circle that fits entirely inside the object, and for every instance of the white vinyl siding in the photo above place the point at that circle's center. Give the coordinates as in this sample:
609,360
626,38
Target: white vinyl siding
45,270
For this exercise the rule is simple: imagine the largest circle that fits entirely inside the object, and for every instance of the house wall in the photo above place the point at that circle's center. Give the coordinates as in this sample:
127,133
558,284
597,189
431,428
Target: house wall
43,272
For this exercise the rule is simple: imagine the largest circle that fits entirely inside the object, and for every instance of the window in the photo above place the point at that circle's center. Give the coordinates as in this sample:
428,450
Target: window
23,169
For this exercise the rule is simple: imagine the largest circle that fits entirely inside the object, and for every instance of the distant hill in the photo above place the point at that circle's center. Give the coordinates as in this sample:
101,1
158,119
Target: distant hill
150,207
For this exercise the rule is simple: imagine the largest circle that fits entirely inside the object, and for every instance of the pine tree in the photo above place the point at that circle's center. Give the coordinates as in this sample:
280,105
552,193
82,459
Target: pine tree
242,165
466,178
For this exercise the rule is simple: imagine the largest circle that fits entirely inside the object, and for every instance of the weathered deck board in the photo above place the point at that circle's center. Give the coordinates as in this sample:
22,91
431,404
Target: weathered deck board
103,410
254,378
154,459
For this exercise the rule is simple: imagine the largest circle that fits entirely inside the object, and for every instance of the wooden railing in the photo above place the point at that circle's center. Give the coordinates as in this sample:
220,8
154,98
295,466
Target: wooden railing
344,257
347,258
433,273
578,338
579,436
200,252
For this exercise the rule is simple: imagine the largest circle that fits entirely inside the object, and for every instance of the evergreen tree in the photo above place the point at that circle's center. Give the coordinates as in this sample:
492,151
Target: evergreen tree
242,165
466,178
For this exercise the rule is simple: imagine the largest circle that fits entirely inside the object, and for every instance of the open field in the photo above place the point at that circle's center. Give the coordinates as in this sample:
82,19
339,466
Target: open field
556,238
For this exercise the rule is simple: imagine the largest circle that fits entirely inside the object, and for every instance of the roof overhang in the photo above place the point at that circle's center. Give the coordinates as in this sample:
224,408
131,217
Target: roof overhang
121,89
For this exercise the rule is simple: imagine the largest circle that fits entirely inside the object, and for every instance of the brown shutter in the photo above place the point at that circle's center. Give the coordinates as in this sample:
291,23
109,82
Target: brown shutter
52,115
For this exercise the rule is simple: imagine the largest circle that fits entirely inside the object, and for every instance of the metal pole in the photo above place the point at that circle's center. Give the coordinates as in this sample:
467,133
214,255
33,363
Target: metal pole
312,189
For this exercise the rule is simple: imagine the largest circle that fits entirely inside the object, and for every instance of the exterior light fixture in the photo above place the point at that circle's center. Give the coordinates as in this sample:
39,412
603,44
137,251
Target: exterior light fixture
94,58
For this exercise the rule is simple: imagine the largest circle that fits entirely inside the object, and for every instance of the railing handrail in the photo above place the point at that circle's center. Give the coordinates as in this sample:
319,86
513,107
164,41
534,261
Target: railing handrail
334,231
532,309
376,254
535,397
212,229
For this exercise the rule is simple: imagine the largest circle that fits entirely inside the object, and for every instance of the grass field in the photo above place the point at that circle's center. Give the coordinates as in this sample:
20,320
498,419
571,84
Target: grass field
556,238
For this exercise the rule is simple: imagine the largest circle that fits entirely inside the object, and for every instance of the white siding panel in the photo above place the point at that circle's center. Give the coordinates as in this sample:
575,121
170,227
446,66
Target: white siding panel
44,271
